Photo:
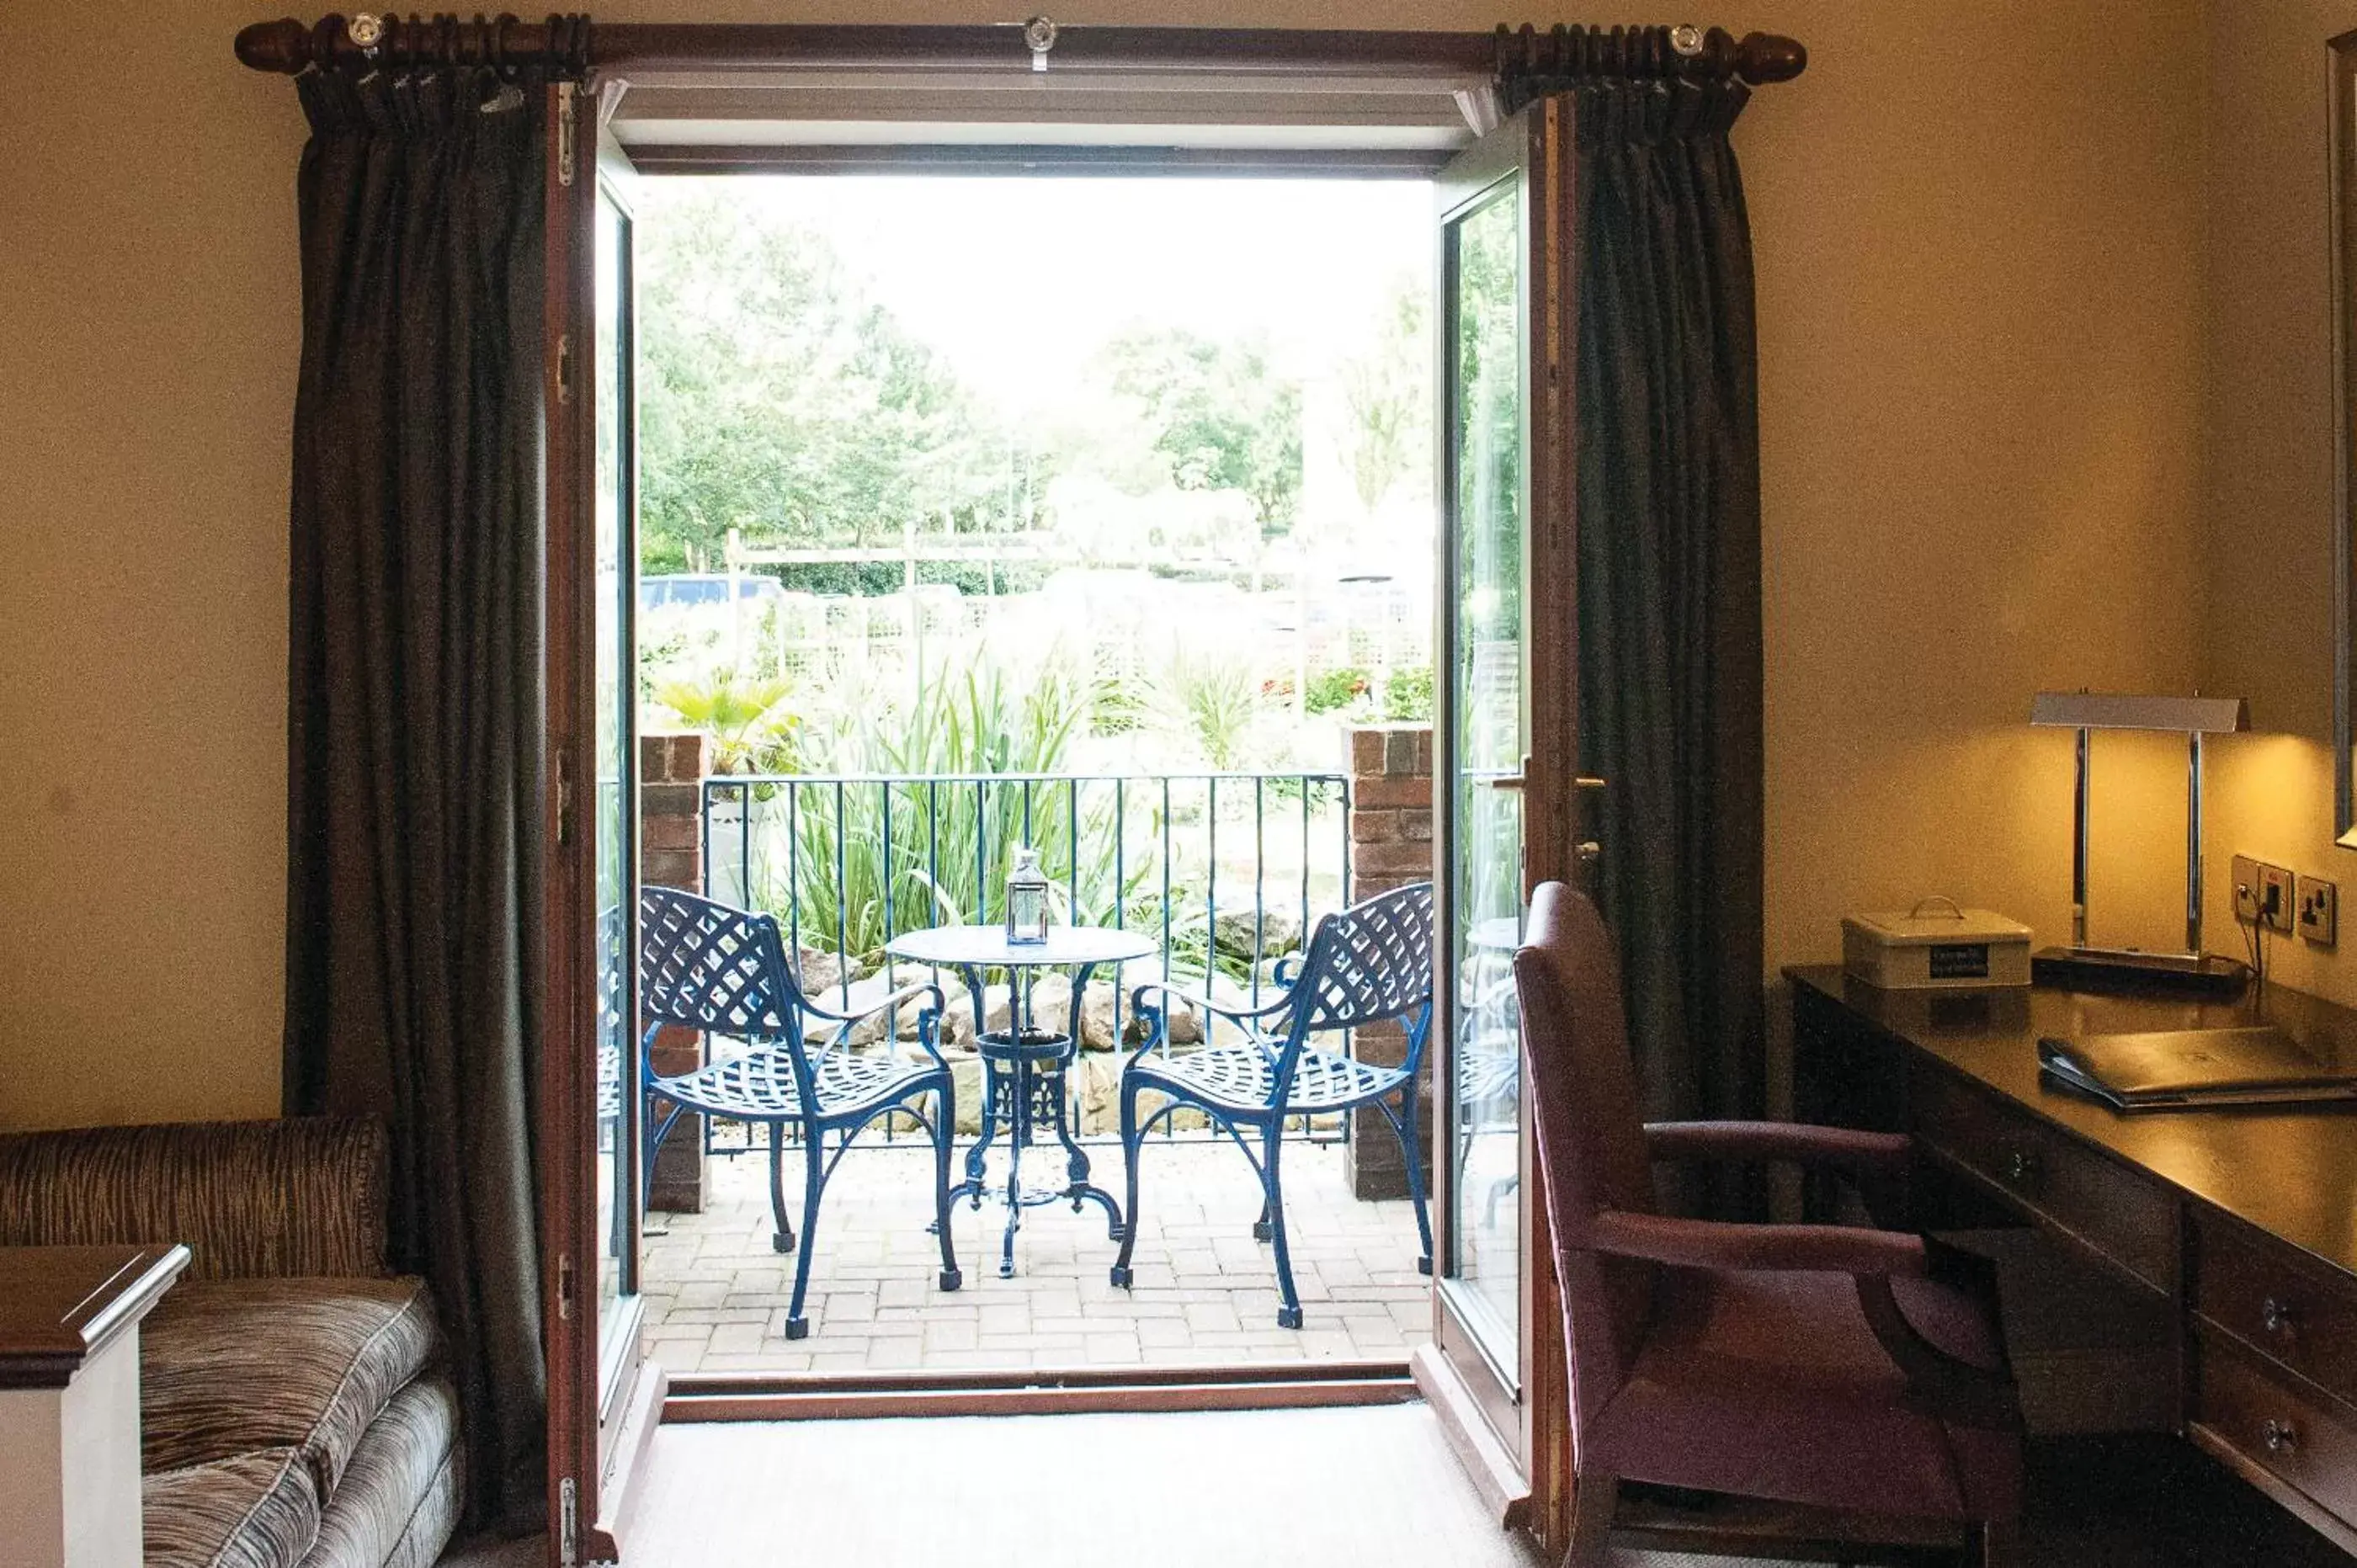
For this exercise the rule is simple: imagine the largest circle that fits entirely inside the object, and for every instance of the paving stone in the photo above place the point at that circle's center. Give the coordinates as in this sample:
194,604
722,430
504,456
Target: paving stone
1204,1290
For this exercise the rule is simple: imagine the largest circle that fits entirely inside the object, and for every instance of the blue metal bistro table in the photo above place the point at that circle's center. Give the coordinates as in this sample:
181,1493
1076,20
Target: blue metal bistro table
1024,1065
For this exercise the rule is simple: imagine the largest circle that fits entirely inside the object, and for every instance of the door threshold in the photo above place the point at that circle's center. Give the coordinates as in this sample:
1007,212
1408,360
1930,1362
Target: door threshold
1035,1392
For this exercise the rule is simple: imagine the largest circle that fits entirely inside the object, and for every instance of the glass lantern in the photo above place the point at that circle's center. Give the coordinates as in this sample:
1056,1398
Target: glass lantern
1027,900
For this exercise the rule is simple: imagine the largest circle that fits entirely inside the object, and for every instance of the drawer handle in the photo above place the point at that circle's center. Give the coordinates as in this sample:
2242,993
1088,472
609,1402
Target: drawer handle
2280,1436
2020,1168
2279,1319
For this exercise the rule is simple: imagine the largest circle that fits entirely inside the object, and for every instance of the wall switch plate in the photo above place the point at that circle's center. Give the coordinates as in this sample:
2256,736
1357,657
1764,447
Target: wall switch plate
2245,883
2318,910
2276,898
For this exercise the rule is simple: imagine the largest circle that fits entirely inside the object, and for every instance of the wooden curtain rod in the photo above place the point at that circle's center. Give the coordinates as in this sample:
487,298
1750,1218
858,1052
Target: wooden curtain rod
570,46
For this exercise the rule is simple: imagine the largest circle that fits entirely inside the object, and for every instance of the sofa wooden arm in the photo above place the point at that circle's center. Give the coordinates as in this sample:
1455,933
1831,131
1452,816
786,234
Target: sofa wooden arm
1719,1245
252,1199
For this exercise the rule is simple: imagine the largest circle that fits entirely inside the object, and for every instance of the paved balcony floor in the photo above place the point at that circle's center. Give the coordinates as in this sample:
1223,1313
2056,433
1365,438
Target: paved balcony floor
1205,1290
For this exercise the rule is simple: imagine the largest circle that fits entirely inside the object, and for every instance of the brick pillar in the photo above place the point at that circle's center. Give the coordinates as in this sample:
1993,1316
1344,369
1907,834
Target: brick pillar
1390,846
671,854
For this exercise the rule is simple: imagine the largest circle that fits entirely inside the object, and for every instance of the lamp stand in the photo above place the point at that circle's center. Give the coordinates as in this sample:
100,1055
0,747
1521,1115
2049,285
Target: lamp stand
2084,966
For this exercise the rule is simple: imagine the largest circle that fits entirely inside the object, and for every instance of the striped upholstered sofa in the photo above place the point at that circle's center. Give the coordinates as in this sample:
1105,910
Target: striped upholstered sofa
293,1413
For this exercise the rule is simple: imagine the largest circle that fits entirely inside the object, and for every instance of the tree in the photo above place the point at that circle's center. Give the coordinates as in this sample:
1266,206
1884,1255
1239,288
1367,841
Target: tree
1388,393
776,399
1221,418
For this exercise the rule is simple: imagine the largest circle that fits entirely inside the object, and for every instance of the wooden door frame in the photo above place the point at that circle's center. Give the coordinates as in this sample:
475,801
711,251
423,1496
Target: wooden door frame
1541,1501
600,1418
1533,1488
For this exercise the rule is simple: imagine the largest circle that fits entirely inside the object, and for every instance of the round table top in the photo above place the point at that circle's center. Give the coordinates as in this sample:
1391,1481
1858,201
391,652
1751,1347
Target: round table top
986,947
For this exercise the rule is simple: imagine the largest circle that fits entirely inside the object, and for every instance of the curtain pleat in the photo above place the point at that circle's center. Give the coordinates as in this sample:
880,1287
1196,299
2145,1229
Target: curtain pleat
415,700
1668,503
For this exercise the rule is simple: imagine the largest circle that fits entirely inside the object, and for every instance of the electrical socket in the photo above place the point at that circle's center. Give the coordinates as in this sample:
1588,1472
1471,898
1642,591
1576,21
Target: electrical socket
2318,910
2246,890
2276,898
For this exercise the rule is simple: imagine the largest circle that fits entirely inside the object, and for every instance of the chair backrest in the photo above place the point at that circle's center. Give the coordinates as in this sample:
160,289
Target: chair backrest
707,965
1590,1135
1367,963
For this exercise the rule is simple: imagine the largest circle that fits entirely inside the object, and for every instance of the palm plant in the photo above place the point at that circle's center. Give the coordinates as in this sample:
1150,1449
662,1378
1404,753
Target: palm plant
746,717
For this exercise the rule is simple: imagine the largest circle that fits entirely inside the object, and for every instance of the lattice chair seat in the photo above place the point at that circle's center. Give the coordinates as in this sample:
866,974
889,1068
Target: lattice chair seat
1243,1078
758,1086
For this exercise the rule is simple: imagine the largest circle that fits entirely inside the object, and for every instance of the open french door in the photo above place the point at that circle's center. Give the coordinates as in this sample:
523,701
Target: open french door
603,1396
1506,791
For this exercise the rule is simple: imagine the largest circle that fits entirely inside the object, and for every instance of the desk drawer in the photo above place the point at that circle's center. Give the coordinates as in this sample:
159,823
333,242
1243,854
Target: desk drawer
2130,1219
2297,1315
2292,1432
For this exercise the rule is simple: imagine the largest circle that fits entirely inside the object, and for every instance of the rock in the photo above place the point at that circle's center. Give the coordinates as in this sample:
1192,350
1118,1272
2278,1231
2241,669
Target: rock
1051,1000
820,971
1280,932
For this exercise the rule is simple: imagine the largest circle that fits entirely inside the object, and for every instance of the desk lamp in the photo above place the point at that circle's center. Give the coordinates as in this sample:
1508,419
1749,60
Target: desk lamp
2081,964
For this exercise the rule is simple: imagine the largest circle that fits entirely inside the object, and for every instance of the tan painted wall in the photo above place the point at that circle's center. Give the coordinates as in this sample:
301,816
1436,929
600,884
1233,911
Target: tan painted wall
2269,496
1979,280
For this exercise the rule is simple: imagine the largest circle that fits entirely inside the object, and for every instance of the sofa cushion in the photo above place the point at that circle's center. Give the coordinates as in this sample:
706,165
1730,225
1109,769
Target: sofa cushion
401,1495
251,1510
230,1365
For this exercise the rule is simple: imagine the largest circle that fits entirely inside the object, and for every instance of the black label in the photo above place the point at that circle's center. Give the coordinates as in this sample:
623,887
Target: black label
1960,960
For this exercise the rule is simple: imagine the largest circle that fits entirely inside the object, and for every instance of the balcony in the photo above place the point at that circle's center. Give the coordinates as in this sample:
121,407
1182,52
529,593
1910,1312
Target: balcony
1223,875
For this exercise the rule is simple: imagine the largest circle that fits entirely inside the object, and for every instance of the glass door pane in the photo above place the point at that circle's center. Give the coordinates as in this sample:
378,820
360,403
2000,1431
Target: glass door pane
611,818
1485,745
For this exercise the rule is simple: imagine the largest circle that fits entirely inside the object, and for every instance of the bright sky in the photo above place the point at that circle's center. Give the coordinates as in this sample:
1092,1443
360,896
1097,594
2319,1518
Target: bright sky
1019,280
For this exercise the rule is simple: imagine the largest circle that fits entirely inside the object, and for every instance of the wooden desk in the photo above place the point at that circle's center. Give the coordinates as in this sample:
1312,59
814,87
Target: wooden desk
70,1401
2245,1221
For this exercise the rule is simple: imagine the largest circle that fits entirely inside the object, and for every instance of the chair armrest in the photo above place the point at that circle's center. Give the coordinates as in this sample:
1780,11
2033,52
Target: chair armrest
1843,1149
899,998
252,1199
837,1026
1199,1002
1719,1245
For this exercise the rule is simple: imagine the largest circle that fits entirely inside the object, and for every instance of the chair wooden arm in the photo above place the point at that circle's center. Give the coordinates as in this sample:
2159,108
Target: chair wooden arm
1842,1149
1876,1164
1720,1244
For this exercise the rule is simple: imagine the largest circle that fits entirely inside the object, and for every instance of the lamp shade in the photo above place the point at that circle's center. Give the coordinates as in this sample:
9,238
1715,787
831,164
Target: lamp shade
2127,710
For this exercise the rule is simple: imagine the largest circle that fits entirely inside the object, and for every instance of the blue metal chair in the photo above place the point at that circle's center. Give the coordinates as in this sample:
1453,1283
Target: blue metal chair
1371,962
706,966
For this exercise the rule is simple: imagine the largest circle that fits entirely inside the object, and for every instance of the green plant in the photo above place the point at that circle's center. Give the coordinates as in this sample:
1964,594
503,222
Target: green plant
746,717
1213,700
1333,689
1407,694
930,837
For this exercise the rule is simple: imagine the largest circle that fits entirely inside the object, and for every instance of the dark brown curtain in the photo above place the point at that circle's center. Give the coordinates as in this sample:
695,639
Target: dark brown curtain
415,700
1667,457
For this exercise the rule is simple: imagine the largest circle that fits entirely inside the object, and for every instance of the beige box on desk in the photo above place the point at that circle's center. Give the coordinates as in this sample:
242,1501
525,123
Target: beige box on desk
1935,946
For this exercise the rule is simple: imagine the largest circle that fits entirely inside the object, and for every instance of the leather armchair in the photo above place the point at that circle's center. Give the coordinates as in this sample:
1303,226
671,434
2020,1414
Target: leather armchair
1850,1368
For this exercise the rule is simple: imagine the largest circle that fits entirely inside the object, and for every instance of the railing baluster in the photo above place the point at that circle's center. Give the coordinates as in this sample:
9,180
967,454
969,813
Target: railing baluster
1166,877
842,896
1260,878
1119,893
793,865
1210,888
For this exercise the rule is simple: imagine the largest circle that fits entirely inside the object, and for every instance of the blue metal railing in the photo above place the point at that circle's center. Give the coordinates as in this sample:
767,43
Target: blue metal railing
847,861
